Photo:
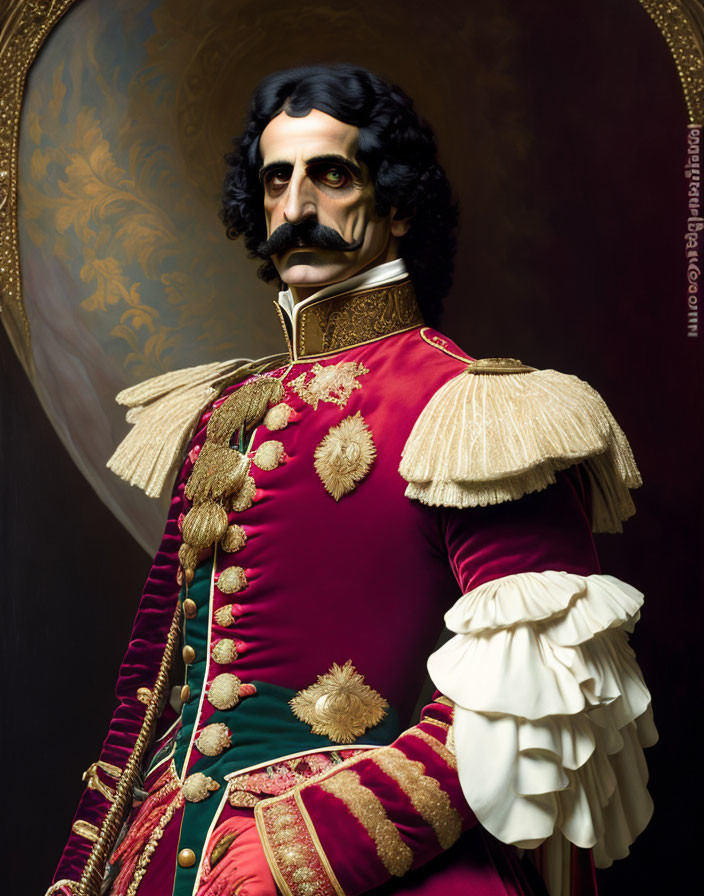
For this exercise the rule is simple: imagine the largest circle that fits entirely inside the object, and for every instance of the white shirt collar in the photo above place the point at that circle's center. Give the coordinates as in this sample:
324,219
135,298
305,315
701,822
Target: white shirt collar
388,272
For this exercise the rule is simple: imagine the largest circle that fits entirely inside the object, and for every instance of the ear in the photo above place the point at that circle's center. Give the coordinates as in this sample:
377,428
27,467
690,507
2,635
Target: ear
400,226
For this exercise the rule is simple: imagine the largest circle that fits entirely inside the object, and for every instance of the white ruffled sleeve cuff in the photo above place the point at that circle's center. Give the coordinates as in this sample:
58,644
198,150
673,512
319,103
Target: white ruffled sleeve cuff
551,710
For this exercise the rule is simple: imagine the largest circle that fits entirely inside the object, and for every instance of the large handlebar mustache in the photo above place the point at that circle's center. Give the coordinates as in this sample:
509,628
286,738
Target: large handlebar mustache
307,234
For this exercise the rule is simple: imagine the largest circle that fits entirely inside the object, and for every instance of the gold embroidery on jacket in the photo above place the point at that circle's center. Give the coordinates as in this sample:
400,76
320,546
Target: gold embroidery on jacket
231,580
277,417
446,755
244,498
221,847
429,720
234,539
85,829
293,850
224,691
198,787
214,739
224,651
333,383
368,810
93,782
269,455
340,705
220,475
355,318
427,797
154,838
344,456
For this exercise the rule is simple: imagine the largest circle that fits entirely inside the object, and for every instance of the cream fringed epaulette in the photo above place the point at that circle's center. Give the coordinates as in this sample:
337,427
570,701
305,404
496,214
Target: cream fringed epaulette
163,412
500,430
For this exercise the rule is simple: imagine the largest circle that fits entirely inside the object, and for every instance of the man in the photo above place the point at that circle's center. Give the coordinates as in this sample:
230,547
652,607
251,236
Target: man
334,503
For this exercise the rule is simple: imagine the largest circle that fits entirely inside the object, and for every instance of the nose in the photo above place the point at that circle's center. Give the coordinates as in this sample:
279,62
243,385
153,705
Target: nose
300,199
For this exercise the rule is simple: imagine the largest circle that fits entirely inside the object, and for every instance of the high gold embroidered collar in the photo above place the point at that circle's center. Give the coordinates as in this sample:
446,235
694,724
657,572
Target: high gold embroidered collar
336,322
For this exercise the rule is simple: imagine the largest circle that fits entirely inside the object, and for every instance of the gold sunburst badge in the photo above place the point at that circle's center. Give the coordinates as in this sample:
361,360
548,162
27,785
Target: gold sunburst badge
340,705
344,456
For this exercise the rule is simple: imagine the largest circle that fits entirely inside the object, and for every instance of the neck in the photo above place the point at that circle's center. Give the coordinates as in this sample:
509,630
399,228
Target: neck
362,309
304,291
377,275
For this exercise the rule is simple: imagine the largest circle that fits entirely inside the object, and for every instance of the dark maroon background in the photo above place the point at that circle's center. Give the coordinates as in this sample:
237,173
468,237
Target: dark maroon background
603,296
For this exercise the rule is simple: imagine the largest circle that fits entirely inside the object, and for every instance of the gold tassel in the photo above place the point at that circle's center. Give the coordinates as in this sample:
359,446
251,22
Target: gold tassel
204,523
163,412
220,473
500,430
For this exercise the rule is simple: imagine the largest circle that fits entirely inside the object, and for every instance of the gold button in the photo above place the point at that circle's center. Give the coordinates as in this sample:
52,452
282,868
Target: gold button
186,858
190,608
189,654
185,694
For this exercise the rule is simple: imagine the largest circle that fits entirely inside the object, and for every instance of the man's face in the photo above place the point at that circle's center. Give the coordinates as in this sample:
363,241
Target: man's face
311,176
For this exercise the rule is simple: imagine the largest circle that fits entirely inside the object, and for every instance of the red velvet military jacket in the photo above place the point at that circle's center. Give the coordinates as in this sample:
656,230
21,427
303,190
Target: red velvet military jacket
277,671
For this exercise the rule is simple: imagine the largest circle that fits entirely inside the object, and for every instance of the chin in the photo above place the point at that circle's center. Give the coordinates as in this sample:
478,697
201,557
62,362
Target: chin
313,275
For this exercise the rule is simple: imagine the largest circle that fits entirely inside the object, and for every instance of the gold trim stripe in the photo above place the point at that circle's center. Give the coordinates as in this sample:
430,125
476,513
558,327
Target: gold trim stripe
308,821
445,702
443,752
364,804
261,820
85,829
93,781
296,859
424,792
430,721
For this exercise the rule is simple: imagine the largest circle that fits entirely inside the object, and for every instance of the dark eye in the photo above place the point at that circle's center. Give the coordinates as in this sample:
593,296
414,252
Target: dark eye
333,176
277,179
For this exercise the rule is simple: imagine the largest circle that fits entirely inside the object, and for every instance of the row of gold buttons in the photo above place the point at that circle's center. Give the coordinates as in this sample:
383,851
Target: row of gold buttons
226,689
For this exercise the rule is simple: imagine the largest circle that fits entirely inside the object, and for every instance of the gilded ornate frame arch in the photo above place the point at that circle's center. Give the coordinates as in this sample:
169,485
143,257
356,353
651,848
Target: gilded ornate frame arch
25,25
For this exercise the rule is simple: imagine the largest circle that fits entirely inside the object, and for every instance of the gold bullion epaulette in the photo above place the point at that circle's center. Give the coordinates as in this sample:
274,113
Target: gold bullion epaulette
163,412
500,430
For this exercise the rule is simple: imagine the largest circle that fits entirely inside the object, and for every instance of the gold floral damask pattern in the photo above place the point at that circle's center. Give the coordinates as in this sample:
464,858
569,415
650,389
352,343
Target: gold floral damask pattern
185,93
108,195
24,26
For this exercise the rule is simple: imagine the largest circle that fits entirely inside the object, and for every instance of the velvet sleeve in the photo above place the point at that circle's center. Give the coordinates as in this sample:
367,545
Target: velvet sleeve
392,809
376,816
550,708
138,671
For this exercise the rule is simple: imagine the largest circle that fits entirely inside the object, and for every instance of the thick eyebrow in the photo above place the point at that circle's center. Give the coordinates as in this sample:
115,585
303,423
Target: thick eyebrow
316,160
265,169
341,160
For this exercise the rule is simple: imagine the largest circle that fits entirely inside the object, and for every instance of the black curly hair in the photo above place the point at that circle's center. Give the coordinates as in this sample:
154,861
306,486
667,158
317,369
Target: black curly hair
397,147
